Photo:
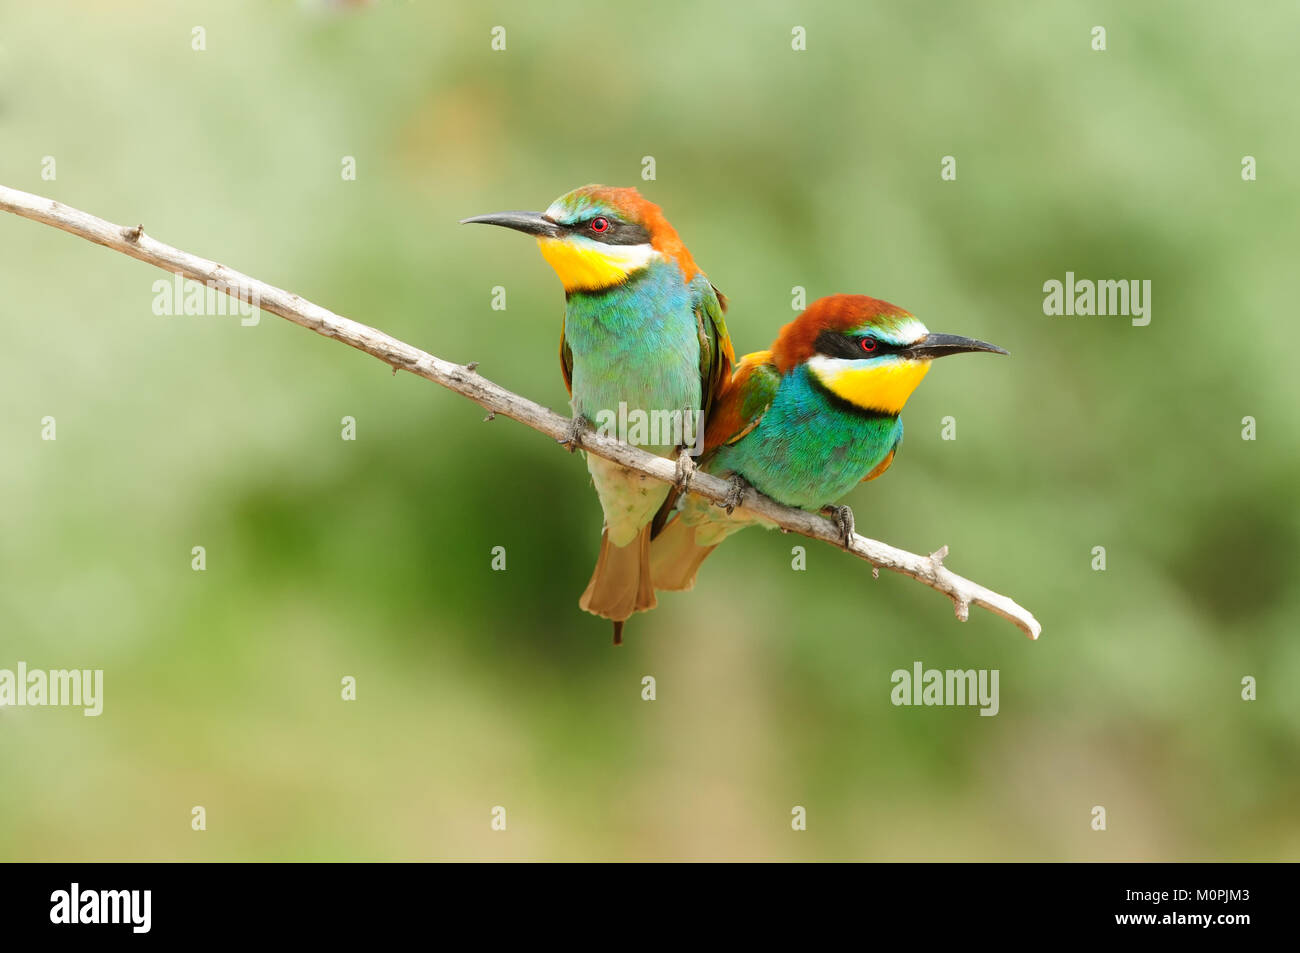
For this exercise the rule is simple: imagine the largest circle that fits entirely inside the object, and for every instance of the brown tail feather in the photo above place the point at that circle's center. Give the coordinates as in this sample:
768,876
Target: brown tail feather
675,557
621,583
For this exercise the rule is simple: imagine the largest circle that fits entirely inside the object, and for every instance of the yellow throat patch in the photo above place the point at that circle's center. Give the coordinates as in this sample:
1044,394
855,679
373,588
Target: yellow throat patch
884,386
590,266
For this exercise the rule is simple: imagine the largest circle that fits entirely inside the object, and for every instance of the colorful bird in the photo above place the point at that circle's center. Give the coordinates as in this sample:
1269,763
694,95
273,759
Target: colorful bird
806,421
643,335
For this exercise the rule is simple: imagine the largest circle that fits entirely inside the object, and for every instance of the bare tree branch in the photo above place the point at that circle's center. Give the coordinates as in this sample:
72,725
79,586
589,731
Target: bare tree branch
463,379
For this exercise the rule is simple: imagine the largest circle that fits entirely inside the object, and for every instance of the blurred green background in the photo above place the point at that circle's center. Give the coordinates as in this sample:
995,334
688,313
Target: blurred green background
371,558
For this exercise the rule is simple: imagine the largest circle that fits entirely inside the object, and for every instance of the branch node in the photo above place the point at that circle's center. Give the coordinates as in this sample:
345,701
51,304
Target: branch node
472,366
133,234
938,556
492,415
961,607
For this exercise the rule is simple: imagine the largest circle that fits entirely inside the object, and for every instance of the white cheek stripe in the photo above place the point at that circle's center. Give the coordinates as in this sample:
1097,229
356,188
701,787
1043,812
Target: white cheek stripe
626,257
828,369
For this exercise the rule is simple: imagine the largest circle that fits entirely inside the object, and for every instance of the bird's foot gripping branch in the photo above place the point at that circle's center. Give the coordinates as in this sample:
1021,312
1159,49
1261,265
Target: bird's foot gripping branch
464,380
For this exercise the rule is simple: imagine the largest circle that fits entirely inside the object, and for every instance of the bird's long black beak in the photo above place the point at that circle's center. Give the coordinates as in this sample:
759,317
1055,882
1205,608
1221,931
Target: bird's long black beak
531,223
941,345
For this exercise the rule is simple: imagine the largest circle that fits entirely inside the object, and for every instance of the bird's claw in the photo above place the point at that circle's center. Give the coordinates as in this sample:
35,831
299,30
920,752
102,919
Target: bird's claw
736,493
843,517
685,470
573,434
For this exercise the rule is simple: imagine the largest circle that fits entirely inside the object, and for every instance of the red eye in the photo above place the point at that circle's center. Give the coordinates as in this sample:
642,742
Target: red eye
600,225
868,344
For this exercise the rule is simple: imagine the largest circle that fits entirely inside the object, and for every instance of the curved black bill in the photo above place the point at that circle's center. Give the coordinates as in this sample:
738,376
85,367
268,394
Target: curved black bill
531,223
941,345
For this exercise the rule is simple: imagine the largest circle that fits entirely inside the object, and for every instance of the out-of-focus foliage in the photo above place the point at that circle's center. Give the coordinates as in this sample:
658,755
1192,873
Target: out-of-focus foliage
371,558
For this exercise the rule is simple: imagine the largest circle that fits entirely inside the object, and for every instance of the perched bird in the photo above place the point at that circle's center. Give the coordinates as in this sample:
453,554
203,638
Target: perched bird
643,332
806,421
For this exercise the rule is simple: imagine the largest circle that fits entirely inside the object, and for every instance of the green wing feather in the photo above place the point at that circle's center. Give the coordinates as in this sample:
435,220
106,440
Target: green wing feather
717,355
744,400
566,362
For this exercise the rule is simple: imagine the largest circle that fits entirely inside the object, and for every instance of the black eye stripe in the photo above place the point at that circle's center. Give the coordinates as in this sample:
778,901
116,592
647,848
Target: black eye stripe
618,233
838,344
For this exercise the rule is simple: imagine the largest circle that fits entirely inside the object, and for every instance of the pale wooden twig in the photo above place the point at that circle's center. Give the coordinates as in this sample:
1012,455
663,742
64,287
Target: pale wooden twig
463,379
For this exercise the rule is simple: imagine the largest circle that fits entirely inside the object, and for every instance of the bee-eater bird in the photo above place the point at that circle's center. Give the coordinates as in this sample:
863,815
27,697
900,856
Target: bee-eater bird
643,331
806,421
